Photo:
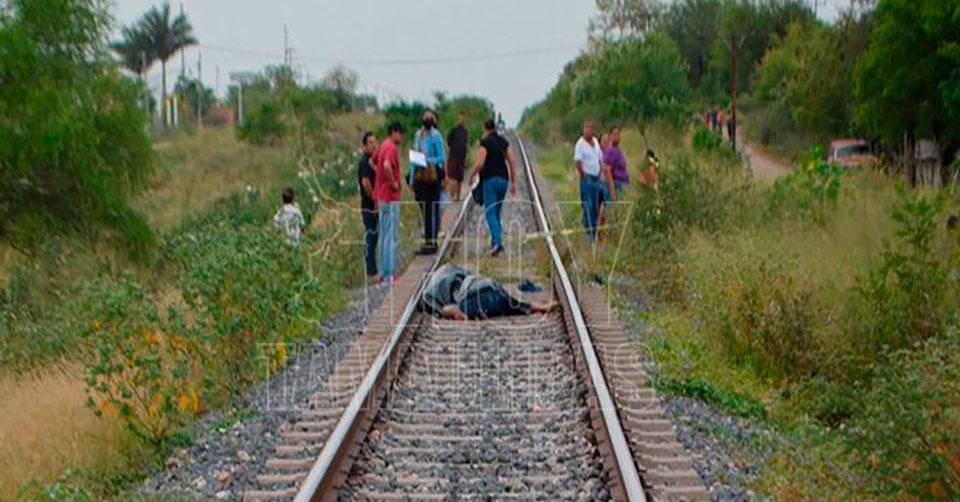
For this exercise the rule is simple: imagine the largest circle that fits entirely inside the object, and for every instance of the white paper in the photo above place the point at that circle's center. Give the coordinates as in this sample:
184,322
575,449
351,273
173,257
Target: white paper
418,158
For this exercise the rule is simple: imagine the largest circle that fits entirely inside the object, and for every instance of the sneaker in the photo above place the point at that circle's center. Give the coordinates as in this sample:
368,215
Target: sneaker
496,251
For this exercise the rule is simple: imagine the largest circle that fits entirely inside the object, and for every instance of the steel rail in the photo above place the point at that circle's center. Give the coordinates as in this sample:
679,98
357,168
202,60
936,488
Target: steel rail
323,469
618,441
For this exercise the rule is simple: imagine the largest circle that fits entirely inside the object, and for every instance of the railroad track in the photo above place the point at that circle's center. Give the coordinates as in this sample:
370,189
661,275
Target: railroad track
553,406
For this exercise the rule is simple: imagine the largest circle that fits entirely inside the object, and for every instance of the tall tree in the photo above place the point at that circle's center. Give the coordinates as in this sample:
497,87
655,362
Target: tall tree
134,49
73,146
166,36
906,81
619,19
693,26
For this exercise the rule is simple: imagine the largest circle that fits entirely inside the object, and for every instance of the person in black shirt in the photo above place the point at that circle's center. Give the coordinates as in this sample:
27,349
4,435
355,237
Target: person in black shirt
367,177
457,140
493,158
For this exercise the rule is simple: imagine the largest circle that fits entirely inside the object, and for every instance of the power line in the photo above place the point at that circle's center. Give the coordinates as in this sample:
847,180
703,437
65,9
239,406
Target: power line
400,62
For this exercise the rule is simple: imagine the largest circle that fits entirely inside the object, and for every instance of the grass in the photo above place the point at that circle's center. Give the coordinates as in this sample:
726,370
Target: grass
761,304
46,430
198,169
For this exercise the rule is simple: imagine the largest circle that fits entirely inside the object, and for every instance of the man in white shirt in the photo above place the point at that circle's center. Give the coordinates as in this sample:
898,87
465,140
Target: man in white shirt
589,157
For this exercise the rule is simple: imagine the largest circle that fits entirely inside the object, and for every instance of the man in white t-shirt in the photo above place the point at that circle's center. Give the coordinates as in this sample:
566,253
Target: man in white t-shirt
589,157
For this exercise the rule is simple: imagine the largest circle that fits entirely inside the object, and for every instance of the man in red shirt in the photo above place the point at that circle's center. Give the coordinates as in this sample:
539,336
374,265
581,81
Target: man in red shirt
387,191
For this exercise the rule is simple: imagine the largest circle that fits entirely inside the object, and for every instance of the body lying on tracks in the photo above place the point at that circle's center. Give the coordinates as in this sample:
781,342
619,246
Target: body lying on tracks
454,293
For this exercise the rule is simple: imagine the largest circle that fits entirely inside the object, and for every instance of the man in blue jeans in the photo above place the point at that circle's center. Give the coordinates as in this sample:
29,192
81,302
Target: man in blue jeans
588,156
496,167
453,293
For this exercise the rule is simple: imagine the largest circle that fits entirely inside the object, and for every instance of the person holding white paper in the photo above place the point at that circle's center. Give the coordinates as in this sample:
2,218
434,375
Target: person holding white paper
426,177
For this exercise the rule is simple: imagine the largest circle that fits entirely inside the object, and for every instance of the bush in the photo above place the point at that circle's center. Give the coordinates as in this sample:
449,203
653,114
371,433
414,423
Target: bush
688,198
907,432
73,142
810,191
263,125
765,316
245,291
912,293
705,140
143,364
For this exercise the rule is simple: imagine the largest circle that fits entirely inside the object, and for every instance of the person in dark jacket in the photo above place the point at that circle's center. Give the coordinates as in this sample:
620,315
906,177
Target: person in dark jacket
454,293
457,140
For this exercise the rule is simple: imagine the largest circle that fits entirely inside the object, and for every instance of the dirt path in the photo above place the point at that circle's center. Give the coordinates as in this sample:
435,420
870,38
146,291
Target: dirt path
763,165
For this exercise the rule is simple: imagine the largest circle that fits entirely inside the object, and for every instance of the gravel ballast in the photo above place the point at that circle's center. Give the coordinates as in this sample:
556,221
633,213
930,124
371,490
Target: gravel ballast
229,451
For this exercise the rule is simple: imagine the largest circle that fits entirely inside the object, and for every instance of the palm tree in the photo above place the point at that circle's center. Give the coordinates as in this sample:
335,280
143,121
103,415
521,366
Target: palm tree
165,37
134,50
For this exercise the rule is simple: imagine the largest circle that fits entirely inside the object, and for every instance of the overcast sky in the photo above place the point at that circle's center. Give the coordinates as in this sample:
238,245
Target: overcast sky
510,51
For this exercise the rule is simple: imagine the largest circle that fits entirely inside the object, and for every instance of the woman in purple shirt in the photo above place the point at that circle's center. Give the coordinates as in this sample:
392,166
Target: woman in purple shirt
617,161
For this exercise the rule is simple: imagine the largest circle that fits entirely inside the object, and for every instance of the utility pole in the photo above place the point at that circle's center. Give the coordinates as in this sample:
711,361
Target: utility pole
199,90
183,59
734,76
286,47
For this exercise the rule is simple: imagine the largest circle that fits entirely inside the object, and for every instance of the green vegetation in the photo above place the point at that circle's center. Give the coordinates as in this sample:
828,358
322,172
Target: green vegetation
73,147
476,110
823,305
625,81
797,304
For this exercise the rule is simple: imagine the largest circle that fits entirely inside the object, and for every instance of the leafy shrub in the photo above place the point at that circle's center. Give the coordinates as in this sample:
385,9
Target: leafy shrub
764,315
912,293
705,140
142,364
263,125
688,198
908,430
73,141
811,190
250,294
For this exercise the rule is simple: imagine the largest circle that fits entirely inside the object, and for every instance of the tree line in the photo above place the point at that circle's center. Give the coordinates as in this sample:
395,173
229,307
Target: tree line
888,70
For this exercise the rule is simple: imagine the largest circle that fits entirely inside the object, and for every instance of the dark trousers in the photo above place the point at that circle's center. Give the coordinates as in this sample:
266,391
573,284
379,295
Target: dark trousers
428,196
492,302
371,222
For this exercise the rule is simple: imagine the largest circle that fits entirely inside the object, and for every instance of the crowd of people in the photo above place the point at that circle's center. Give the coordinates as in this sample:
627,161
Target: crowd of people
436,172
720,121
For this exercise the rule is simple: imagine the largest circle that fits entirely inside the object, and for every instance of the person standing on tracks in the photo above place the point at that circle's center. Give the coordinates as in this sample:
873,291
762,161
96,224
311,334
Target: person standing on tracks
496,167
457,140
427,180
588,156
387,192
367,178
